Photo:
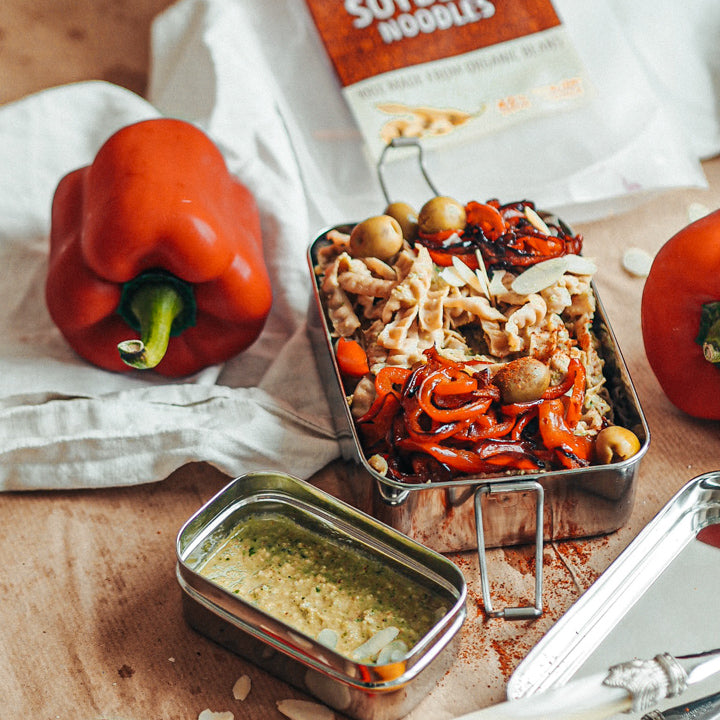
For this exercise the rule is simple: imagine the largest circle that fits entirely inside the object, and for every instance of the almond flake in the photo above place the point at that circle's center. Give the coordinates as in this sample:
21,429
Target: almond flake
540,276
536,220
482,274
370,648
304,710
210,715
637,261
468,275
450,275
241,688
580,265
328,638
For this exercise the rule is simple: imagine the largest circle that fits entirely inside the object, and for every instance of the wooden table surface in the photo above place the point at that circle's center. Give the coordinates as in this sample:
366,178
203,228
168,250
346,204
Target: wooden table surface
90,619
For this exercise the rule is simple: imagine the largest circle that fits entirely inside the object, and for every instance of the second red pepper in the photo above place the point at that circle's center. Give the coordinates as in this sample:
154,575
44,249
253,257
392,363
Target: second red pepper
156,235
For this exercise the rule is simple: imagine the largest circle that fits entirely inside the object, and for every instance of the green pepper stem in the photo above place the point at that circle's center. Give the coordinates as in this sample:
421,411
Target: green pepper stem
711,345
709,332
155,305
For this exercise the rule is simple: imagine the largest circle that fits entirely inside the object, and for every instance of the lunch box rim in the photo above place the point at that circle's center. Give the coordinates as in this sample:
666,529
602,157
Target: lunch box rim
388,543
395,488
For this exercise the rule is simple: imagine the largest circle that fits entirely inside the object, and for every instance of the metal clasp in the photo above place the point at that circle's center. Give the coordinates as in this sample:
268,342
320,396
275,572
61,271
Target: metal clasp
403,142
527,612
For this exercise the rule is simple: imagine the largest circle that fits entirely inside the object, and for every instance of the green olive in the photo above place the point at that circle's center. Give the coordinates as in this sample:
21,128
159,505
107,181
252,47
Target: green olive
407,218
380,236
522,380
441,213
615,443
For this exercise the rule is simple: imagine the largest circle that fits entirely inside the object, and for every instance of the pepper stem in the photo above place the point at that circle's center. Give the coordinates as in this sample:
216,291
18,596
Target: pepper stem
709,332
158,305
155,306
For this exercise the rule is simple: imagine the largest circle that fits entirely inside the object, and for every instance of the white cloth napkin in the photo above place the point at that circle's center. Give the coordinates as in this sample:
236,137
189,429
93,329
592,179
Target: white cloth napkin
255,77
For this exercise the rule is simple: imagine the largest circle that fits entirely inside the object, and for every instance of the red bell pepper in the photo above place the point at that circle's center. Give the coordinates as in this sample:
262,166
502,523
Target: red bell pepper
157,236
680,314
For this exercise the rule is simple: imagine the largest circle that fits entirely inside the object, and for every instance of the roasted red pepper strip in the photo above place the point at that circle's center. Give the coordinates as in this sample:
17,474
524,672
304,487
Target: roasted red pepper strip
555,391
574,407
157,199
481,431
521,423
572,450
385,382
486,217
466,411
469,461
438,238
443,258
375,430
457,386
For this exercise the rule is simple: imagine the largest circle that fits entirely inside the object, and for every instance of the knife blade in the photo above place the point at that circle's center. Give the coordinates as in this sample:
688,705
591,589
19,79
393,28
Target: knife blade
706,708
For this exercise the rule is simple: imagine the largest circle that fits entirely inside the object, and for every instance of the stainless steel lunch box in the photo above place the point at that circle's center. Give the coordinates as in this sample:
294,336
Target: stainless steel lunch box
491,511
364,691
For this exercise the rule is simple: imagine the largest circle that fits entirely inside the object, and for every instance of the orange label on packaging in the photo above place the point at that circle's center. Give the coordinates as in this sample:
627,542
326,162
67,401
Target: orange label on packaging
448,71
369,37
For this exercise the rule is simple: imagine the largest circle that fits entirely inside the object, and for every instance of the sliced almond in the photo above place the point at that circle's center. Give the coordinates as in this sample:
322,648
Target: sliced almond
392,652
241,688
482,273
497,286
580,265
468,276
375,644
451,276
637,261
304,710
328,638
536,221
540,276
210,715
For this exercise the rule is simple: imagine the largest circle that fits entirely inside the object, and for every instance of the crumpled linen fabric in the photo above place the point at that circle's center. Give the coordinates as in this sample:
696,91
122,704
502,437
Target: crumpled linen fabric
255,77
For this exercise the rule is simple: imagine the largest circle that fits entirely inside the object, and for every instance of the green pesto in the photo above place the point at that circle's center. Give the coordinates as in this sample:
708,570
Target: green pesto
312,583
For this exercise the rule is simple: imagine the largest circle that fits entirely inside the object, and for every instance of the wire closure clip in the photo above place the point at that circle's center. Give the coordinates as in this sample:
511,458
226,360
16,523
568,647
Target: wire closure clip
528,612
403,142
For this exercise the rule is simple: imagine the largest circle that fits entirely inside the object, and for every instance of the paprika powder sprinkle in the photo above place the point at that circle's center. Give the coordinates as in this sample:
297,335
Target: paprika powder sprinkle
156,236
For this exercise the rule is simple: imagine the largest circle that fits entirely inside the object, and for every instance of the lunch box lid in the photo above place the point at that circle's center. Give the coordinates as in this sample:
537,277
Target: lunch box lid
659,595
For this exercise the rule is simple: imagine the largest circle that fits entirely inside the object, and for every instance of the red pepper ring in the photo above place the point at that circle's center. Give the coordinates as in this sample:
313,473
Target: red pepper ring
468,410
487,218
573,411
385,382
443,258
556,391
557,436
